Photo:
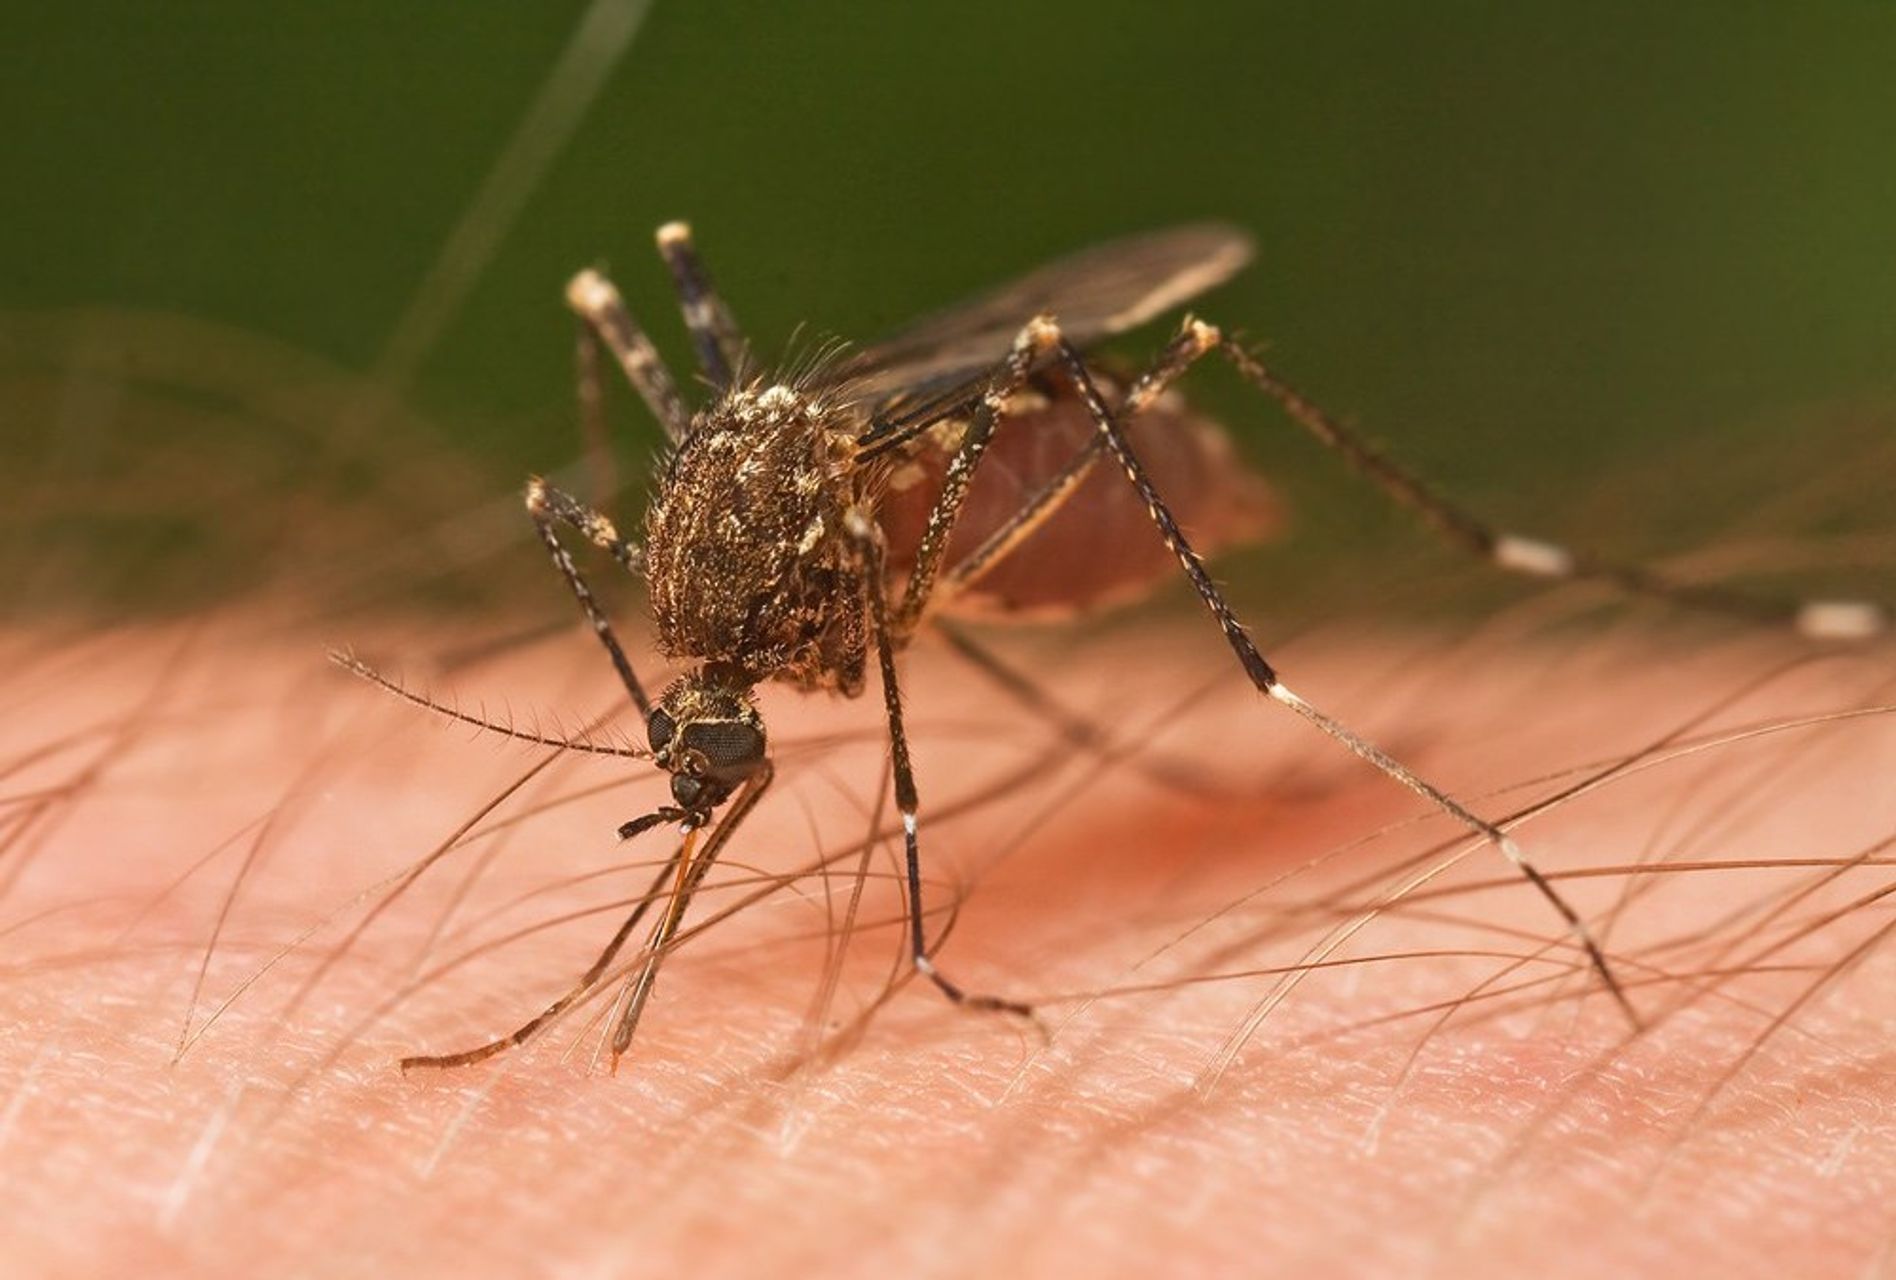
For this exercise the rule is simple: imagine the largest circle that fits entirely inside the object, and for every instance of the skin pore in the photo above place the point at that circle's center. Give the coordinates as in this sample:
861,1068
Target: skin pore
209,839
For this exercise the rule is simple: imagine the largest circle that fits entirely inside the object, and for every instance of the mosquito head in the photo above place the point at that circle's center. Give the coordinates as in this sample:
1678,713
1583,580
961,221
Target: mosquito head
706,731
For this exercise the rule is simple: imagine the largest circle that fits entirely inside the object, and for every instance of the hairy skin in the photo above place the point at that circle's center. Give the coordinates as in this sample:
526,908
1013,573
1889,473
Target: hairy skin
1749,1132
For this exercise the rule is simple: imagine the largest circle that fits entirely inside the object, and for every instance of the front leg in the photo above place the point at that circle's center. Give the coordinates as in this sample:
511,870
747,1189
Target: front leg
867,539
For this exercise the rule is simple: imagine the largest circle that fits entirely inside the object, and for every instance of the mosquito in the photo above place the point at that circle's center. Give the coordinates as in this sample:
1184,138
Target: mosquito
808,525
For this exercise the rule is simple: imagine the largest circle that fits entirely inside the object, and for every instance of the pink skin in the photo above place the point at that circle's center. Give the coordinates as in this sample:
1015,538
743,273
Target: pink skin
938,1142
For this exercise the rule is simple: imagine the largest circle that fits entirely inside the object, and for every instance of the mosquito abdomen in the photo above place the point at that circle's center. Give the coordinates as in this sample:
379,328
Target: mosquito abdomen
1097,550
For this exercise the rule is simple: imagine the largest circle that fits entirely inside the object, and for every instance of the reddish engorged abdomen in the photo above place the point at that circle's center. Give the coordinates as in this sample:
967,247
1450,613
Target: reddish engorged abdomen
1101,548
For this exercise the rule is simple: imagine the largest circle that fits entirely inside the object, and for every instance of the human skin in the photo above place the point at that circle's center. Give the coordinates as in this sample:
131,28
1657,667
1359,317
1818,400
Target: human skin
1351,1134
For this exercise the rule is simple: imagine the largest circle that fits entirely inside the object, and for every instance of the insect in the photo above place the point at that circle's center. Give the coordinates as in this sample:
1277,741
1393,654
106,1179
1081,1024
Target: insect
805,528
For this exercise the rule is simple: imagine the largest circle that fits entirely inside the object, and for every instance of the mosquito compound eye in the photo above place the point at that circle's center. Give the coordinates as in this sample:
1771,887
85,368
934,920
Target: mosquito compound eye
726,744
659,729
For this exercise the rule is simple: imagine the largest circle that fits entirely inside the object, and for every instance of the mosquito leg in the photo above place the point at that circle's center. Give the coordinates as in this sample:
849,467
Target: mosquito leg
722,352
598,303
1264,677
933,546
547,505
689,875
868,539
1194,340
1817,619
596,527
528,1029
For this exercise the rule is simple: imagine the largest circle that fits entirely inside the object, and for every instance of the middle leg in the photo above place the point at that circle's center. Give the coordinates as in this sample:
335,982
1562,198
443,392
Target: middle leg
863,531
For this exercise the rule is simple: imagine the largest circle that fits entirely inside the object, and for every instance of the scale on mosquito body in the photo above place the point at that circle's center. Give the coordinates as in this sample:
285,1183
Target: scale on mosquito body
805,528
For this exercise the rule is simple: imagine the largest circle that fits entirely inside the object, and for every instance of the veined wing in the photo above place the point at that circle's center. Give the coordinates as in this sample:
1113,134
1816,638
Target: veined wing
1094,294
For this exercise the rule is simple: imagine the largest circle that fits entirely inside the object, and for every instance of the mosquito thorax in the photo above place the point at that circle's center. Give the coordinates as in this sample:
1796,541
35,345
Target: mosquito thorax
770,405
746,557
707,732
766,408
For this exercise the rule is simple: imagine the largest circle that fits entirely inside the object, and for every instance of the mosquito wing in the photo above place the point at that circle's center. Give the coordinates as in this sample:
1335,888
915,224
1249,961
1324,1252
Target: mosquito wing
1094,294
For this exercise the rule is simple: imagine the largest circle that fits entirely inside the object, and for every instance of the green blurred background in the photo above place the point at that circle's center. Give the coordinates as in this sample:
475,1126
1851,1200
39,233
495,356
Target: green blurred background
1620,272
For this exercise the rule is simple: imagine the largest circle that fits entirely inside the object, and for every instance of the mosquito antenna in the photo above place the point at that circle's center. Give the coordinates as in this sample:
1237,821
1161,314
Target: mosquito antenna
356,667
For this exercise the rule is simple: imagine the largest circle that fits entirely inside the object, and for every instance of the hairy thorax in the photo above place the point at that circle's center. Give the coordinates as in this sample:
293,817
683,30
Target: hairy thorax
746,553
